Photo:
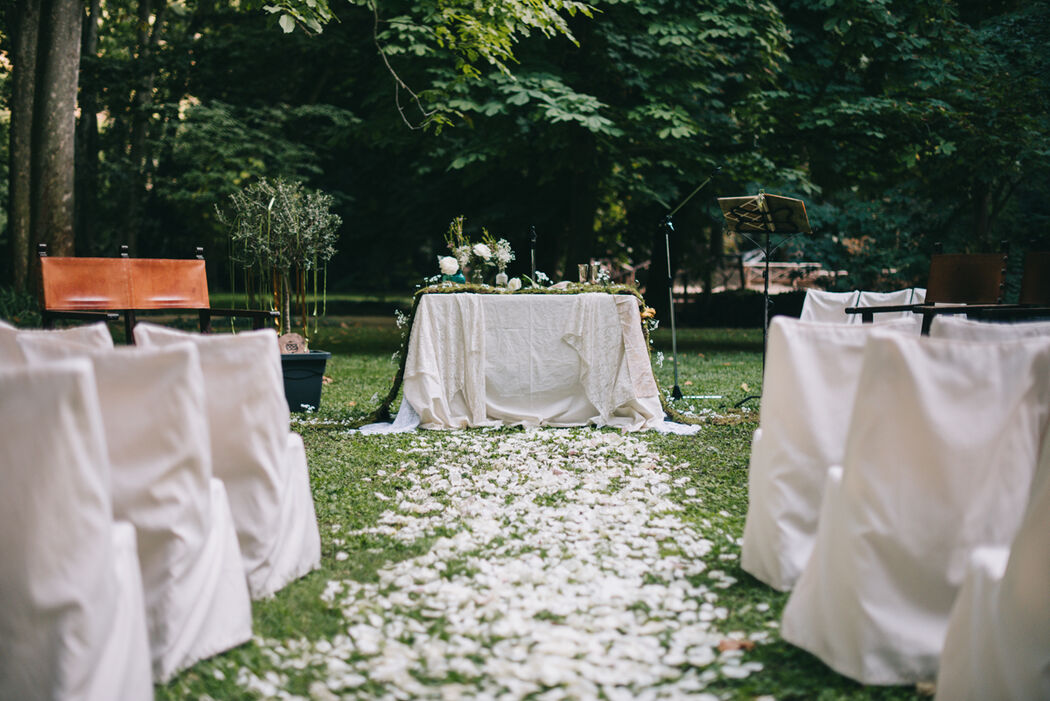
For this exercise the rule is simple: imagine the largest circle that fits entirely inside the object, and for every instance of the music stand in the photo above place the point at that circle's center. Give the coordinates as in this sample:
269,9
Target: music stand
767,215
668,227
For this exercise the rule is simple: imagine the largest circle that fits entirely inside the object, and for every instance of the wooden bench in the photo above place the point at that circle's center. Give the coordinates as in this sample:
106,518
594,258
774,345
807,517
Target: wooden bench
100,289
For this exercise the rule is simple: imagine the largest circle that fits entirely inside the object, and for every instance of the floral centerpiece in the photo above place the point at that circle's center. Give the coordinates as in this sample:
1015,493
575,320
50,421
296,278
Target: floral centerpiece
476,257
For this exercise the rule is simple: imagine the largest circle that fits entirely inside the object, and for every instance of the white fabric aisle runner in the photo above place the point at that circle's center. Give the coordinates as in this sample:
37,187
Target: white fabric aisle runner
535,360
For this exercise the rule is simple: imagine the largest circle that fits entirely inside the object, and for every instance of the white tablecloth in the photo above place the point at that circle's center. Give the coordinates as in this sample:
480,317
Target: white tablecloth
539,360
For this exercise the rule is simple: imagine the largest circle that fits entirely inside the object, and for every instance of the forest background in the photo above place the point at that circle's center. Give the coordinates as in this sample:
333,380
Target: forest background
899,123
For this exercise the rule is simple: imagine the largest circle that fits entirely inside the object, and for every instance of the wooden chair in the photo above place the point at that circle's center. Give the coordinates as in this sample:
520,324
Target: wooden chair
1033,301
1035,280
955,279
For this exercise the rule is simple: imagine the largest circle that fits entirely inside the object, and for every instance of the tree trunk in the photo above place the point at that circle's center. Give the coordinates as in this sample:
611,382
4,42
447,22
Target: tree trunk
981,195
87,140
583,203
54,133
23,56
286,302
715,249
657,285
141,106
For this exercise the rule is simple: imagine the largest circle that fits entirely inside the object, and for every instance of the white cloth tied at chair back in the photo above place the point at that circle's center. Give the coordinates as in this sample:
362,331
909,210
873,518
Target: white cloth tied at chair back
945,326
909,295
72,622
95,336
261,462
831,306
941,448
152,408
828,306
998,640
811,375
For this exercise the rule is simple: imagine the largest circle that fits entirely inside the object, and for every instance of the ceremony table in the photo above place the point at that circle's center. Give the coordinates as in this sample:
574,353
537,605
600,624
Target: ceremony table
530,359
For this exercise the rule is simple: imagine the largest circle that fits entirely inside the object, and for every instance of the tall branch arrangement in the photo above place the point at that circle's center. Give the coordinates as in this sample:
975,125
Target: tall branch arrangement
282,234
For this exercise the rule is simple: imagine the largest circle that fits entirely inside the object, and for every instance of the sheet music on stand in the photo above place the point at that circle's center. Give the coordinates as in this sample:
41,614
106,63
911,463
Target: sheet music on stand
766,215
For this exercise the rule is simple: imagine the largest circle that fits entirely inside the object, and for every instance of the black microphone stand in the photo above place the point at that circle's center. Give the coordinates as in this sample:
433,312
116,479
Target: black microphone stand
532,250
668,225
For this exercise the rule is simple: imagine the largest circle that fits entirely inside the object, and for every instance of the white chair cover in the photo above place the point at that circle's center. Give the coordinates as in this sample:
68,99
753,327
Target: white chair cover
940,453
262,465
72,623
828,306
810,382
92,335
998,640
156,428
945,326
909,295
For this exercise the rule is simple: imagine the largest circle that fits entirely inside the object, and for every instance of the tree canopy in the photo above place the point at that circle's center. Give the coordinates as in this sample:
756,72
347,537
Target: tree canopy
899,123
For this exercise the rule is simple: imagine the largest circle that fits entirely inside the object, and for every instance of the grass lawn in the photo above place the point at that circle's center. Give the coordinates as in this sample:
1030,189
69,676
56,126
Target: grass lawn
557,563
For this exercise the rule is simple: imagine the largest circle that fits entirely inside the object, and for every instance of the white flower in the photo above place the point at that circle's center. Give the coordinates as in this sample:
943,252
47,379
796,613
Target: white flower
462,254
449,265
514,284
504,253
482,251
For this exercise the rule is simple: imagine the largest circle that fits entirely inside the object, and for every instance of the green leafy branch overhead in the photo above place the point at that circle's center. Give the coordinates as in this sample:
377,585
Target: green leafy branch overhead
476,37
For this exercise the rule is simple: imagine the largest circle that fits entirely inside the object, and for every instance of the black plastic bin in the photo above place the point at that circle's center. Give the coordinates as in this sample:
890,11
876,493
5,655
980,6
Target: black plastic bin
303,378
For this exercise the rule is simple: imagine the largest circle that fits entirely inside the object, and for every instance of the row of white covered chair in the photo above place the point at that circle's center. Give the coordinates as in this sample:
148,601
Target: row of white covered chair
900,488
831,306
149,492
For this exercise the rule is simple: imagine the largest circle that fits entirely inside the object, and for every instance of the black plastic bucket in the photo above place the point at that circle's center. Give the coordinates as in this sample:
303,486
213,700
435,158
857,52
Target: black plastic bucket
303,378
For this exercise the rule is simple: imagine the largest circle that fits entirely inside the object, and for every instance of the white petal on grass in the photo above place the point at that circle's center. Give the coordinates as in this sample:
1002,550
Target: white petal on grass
558,567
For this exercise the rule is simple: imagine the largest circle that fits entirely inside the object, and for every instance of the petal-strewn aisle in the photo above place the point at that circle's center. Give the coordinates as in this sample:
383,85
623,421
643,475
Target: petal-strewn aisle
558,568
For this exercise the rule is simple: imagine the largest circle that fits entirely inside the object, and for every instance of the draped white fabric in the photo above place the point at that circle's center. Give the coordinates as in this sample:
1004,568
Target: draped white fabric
831,306
909,295
810,382
254,454
945,326
939,457
828,306
90,335
998,640
156,430
549,360
72,623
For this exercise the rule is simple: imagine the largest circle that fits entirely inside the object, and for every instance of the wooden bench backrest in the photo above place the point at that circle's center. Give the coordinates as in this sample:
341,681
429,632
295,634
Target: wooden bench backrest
160,283
1035,280
83,284
966,278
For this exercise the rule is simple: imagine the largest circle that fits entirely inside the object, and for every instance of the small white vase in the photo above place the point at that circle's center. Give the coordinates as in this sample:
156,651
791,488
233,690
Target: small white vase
501,279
